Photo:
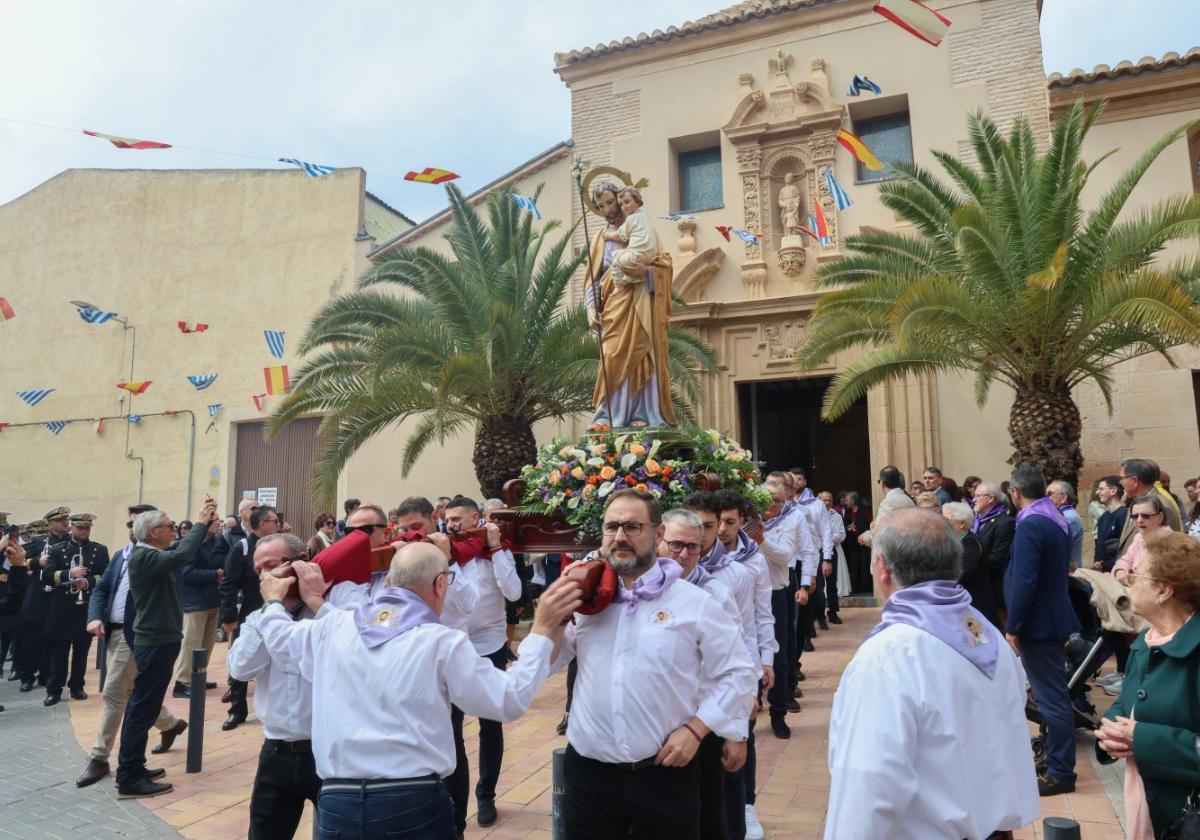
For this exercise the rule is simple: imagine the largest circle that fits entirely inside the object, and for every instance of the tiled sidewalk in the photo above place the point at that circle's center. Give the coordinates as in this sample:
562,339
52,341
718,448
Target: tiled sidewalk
792,776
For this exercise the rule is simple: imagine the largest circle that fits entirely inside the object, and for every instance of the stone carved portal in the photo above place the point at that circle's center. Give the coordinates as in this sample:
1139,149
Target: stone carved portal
790,128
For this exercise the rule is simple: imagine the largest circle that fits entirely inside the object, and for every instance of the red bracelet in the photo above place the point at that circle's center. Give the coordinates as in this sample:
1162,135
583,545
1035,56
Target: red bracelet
688,727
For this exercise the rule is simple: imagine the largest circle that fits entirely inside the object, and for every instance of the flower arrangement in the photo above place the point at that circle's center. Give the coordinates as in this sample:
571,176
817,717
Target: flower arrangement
575,479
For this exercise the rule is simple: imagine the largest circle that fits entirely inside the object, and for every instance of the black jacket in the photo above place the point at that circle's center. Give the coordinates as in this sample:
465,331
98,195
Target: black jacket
67,608
101,604
995,544
198,579
240,577
33,611
1108,536
13,583
976,578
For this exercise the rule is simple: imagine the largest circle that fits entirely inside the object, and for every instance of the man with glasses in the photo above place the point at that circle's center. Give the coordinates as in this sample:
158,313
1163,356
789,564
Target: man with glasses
240,577
1139,477
659,669
157,637
287,774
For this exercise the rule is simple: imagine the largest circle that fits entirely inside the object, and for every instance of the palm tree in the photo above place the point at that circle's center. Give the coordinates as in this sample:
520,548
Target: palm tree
1007,278
478,342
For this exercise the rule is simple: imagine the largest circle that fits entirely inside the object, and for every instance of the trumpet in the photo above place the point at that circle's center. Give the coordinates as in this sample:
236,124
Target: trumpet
42,559
76,562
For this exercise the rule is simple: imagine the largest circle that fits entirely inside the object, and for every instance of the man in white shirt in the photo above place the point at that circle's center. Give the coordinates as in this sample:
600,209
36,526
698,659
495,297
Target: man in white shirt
928,737
827,581
287,774
494,575
384,676
659,669
780,547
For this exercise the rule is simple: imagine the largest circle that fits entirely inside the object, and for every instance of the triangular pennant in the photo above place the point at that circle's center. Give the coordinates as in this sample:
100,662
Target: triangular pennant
260,400
136,387
95,316
202,380
6,310
185,327
127,142
274,342
213,409
859,149
32,398
527,204
312,170
134,418
839,195
56,426
431,175
98,426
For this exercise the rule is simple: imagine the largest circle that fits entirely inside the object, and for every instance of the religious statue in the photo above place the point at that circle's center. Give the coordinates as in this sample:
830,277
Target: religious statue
789,205
633,281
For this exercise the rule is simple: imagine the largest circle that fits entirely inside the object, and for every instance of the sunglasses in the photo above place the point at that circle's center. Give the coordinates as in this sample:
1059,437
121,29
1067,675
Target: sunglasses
366,529
1145,515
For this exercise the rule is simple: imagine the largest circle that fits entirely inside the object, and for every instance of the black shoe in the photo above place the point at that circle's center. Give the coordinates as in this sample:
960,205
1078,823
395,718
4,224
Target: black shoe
13,676
780,728
233,722
181,690
26,686
143,788
808,646
209,686
561,729
1050,786
154,775
95,770
51,699
822,624
793,706
833,619
487,812
800,676
78,694
797,692
168,737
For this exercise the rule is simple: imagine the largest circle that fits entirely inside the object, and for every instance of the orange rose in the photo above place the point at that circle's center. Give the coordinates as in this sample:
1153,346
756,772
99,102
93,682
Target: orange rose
630,480
563,469
607,473
641,487
589,489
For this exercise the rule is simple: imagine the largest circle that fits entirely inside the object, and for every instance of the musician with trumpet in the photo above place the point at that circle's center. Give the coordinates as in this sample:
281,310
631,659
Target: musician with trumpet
72,570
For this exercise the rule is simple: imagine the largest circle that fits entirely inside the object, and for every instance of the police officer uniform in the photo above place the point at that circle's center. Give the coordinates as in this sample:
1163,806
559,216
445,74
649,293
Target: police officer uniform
33,654
67,594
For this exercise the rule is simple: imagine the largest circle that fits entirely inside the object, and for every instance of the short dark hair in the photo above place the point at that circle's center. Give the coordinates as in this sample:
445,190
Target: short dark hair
891,477
463,502
729,500
1143,469
798,471
1029,481
1114,481
415,504
258,514
350,504
704,500
934,470
653,506
134,510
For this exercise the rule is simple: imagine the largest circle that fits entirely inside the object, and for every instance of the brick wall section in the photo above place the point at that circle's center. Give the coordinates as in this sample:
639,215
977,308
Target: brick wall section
1005,53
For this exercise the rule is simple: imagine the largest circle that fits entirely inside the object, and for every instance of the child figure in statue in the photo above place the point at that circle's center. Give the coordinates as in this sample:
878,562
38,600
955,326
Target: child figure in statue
630,264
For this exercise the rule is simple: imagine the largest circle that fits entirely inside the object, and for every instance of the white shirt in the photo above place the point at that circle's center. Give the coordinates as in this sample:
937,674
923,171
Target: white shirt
282,696
642,676
495,580
764,619
739,583
778,548
821,525
117,614
808,542
384,712
922,745
461,597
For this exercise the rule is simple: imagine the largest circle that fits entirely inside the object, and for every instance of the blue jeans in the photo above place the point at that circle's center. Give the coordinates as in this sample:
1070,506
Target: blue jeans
420,812
1045,663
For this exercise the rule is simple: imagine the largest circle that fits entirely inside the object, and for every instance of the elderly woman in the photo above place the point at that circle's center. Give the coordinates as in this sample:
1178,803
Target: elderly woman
976,577
1155,723
929,500
1149,514
324,526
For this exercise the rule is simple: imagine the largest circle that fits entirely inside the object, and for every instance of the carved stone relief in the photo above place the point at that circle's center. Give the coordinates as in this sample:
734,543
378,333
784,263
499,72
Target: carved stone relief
782,339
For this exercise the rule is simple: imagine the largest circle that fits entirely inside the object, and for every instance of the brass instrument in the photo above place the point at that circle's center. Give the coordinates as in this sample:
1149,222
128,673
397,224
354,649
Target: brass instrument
76,562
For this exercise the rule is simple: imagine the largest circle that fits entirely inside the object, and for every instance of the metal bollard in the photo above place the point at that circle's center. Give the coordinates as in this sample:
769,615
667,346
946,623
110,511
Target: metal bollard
558,823
1060,828
195,749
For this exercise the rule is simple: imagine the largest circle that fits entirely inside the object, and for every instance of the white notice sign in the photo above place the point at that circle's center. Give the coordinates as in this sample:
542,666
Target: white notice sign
268,496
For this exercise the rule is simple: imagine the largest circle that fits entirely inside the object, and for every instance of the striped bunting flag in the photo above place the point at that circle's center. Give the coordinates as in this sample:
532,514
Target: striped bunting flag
860,83
55,426
95,316
32,398
213,409
277,379
818,224
680,217
527,204
128,142
202,380
135,418
275,342
312,170
430,175
839,195
746,236
915,18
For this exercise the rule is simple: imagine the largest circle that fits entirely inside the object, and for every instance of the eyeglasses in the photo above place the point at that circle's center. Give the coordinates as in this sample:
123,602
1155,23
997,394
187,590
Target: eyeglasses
679,547
449,575
1145,515
265,521
631,528
1133,576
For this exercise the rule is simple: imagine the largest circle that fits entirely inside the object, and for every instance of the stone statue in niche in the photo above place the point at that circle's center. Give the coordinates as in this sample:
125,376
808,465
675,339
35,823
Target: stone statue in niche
789,205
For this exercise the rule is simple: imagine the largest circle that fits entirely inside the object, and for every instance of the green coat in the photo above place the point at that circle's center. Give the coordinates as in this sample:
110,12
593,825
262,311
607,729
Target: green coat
1162,688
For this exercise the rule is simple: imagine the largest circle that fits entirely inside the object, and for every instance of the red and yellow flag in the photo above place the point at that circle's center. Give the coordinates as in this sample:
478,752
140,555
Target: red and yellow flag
185,327
915,18
6,310
128,142
430,175
859,149
277,379
135,387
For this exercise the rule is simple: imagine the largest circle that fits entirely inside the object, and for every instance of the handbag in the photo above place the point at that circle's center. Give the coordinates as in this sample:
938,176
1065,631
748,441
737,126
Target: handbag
1186,826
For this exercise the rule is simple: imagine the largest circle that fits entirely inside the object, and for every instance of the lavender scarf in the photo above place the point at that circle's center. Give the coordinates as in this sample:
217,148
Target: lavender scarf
943,609
390,613
805,497
717,558
1044,507
699,576
784,510
980,520
651,585
745,550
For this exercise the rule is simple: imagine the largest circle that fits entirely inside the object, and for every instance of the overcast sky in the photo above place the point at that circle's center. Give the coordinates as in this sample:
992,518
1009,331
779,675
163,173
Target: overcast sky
388,85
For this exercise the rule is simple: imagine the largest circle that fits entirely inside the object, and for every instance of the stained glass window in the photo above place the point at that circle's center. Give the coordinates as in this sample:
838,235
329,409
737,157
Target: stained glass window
700,180
890,139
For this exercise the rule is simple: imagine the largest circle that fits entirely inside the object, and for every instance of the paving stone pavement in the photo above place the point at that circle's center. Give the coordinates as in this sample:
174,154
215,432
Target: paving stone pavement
39,762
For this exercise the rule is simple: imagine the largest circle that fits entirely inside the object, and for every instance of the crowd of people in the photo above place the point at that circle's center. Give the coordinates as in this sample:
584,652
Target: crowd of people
985,594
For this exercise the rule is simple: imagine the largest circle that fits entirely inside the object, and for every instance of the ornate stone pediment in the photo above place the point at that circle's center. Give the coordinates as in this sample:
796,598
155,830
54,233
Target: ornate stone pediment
692,279
786,107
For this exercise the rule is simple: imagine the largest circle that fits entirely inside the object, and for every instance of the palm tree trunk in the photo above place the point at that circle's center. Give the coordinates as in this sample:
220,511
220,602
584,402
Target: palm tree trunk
502,446
1045,427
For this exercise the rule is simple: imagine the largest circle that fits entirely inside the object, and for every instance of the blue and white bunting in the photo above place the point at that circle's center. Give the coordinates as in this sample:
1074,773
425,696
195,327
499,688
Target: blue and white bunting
860,83
55,426
95,316
213,409
275,342
745,235
839,195
680,217
135,418
202,380
312,170
812,225
32,398
527,204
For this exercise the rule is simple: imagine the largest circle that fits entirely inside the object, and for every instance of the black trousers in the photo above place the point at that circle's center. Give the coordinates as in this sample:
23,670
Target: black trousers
779,695
712,788
33,657
237,688
750,773
491,753
77,649
9,642
154,668
828,585
614,802
287,775
796,649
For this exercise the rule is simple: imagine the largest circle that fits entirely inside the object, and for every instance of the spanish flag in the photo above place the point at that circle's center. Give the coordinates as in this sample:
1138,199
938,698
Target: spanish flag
915,18
135,387
277,380
6,310
859,149
127,142
430,175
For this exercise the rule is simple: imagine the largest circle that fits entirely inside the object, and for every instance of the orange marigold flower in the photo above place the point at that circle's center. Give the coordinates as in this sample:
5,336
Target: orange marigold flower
630,480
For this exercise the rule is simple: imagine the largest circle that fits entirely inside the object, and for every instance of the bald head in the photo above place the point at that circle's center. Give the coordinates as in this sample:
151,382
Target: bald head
415,567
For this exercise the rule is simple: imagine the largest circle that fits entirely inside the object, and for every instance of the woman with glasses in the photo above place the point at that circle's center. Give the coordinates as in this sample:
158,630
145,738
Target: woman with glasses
1149,515
1155,723
324,534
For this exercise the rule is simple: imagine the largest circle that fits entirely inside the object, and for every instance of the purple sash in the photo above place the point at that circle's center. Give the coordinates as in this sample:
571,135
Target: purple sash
390,613
995,511
745,550
651,585
717,558
1044,507
942,608
786,508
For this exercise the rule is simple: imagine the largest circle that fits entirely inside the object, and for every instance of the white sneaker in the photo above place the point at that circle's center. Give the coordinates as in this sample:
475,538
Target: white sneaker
1113,689
754,829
